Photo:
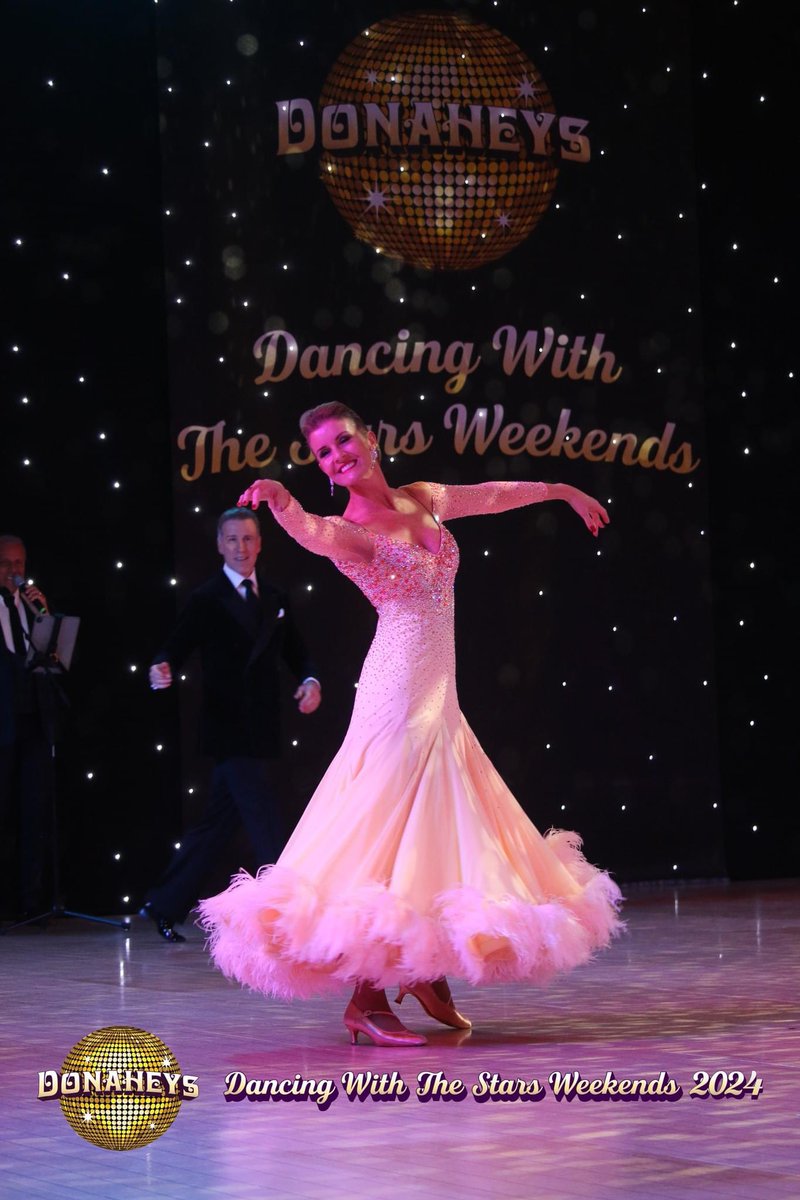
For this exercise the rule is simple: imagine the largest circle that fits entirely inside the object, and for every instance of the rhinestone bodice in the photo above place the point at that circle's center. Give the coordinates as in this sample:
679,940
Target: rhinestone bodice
403,576
408,677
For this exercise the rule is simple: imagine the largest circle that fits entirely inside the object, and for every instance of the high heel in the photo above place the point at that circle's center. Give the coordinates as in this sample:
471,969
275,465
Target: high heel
358,1022
444,1011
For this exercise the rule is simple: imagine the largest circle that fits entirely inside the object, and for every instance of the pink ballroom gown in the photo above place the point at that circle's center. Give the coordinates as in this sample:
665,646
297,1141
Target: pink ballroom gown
412,859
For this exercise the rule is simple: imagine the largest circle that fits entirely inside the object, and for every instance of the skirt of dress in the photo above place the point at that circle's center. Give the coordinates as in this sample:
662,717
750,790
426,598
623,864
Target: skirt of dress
412,860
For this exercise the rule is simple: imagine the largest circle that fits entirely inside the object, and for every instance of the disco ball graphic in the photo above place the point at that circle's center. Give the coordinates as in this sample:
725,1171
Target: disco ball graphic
120,1120
444,206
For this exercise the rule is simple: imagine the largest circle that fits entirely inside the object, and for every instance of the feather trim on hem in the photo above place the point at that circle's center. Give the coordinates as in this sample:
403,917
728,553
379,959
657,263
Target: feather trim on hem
278,934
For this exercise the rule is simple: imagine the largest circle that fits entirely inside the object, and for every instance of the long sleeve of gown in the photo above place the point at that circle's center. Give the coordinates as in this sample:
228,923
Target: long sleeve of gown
332,537
477,499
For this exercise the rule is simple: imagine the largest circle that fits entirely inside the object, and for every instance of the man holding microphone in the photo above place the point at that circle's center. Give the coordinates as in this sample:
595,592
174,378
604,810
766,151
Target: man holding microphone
24,749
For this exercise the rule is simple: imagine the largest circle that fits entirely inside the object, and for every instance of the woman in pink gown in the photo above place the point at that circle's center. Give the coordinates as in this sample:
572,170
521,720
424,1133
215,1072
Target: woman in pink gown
412,860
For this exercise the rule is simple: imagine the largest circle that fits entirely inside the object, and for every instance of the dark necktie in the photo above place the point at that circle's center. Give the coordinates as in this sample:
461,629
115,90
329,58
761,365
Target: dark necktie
251,599
16,624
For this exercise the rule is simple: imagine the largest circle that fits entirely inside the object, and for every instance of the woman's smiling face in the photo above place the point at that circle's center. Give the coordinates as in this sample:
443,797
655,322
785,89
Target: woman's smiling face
342,450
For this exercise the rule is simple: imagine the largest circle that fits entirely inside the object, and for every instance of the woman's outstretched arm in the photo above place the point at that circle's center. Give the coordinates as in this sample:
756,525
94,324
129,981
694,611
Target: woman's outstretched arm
450,501
332,537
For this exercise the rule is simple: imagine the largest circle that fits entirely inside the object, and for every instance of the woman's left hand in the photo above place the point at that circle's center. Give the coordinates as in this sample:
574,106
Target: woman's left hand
591,511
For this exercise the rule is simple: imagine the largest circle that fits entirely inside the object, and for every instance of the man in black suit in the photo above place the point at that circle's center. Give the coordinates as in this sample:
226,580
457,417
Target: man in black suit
25,788
242,627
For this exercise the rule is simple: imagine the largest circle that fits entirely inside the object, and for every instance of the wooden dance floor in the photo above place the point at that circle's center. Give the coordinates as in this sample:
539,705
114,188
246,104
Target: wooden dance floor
701,994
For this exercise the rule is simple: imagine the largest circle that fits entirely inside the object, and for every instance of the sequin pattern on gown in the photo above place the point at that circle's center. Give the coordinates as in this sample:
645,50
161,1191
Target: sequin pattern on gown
412,859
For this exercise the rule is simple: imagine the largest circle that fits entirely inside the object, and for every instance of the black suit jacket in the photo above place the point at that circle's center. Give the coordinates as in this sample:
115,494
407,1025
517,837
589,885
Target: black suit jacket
241,661
18,692
10,672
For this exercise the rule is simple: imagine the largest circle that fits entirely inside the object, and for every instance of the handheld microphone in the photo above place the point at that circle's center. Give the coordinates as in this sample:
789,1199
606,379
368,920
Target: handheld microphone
20,582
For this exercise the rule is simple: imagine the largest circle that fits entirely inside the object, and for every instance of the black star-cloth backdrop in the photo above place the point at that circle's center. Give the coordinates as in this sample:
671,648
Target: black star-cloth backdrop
475,225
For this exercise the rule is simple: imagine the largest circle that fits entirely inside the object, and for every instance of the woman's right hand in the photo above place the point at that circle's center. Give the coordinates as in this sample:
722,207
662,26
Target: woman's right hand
267,490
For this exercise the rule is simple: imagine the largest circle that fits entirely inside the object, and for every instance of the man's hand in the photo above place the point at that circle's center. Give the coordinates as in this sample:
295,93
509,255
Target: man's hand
308,696
160,676
35,597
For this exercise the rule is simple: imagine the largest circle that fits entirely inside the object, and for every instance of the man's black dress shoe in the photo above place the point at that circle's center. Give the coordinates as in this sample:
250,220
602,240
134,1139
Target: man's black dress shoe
161,923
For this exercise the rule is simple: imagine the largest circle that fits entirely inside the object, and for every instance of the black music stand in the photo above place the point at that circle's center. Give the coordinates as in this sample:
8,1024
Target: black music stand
52,642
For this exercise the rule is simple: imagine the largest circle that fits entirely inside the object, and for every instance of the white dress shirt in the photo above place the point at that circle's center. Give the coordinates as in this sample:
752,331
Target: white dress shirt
238,581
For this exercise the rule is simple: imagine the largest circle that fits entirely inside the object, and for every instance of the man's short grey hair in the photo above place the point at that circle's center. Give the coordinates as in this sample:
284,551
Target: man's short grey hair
237,514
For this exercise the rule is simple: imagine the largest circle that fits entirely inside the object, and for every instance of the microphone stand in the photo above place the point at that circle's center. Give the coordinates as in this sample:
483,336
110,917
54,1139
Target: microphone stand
46,668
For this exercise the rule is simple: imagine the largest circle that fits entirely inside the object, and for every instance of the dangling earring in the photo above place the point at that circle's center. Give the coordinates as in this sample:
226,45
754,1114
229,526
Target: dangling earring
331,483
374,455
